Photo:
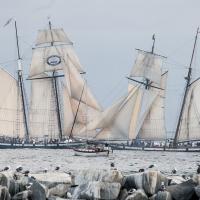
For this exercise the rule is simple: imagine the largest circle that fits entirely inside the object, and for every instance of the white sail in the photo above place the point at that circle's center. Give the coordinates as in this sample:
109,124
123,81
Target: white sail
153,127
190,122
114,122
11,113
53,35
147,65
77,84
52,58
43,113
68,114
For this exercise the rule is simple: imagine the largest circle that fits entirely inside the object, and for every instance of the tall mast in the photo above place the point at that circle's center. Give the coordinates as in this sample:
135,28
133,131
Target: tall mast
20,80
56,93
188,78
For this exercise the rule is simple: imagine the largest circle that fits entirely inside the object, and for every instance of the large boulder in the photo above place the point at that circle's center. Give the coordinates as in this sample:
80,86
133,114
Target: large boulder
97,190
123,194
183,191
4,193
7,180
25,195
137,195
149,181
110,176
56,183
161,195
197,190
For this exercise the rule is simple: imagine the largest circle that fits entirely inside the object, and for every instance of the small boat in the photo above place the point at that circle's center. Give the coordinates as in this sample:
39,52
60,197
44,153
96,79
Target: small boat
91,151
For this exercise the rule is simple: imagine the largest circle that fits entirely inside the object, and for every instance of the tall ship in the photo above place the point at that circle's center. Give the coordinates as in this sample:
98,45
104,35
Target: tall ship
138,115
60,102
188,125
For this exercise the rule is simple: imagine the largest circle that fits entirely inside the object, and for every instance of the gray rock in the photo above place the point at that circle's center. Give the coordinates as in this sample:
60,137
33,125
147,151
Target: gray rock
137,195
197,190
25,195
97,190
4,193
6,179
111,176
123,194
54,183
183,191
149,181
55,198
161,195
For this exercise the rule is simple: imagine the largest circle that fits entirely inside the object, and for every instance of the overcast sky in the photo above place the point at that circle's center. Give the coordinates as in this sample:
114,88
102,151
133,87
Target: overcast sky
105,34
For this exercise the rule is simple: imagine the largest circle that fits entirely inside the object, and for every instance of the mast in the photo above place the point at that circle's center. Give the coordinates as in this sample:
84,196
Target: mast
71,132
56,93
20,80
154,39
188,78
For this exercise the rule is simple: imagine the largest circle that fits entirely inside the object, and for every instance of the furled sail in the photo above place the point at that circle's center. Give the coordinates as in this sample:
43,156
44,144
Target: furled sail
11,113
190,122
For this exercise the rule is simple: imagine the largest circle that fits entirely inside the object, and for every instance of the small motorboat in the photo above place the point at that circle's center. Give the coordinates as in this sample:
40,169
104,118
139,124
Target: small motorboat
91,151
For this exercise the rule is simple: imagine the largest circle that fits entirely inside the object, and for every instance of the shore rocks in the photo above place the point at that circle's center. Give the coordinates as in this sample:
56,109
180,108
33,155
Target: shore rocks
98,184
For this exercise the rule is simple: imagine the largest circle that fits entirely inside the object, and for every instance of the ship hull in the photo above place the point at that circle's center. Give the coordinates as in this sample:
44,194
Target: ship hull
41,146
132,148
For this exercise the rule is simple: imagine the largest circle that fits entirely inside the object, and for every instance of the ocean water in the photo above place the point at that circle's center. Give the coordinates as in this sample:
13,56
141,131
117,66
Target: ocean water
126,161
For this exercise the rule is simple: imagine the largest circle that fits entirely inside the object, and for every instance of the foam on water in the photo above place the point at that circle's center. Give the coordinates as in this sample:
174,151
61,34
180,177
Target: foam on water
126,161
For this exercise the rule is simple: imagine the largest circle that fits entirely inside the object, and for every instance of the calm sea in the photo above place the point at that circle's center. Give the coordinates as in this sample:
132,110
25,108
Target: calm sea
126,161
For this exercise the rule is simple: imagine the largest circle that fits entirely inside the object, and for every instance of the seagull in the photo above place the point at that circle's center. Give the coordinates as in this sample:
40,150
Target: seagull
5,168
57,168
152,166
141,170
174,171
19,168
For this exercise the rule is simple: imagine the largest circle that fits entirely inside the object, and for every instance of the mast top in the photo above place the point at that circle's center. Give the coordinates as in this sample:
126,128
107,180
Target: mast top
154,39
50,28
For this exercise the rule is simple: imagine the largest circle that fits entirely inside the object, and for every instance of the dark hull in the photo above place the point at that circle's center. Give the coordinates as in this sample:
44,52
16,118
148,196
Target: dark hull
41,146
132,148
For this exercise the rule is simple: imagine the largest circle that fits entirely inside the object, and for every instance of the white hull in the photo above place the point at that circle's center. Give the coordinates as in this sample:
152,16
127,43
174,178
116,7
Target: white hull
87,153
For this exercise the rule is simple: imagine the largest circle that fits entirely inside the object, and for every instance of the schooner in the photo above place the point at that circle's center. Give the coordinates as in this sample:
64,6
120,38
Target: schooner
188,125
139,115
61,103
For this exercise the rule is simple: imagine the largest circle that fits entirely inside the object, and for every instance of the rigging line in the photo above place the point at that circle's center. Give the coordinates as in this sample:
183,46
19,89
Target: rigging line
8,61
111,91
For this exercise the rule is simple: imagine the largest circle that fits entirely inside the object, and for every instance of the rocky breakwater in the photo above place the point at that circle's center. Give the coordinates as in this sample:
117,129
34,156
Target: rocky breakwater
97,184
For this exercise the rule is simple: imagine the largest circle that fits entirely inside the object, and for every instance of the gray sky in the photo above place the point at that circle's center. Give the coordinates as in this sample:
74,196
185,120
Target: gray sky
105,34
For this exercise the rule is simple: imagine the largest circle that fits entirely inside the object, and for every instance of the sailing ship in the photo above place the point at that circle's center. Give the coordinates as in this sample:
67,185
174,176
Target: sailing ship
188,125
60,98
139,115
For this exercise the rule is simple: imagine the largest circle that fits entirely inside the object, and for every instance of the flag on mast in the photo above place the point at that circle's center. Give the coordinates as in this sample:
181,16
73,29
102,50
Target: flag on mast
8,22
